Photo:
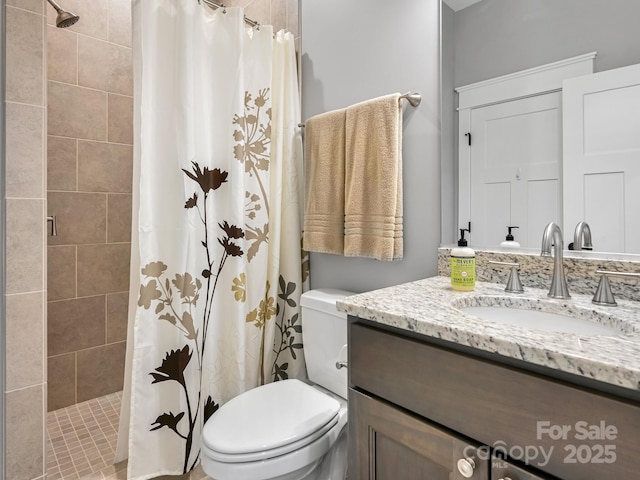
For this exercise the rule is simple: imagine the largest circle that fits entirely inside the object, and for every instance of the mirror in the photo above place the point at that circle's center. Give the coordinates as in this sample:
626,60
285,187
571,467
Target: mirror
491,38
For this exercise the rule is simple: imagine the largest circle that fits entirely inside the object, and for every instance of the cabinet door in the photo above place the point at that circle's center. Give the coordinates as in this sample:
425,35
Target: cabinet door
503,470
515,169
602,157
388,444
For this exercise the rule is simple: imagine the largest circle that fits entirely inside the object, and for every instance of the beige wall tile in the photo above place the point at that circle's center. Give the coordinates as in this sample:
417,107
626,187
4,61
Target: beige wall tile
25,433
76,324
120,119
25,340
61,391
24,57
31,5
62,55
118,218
25,65
117,311
241,3
279,15
103,268
104,167
61,272
292,17
120,22
61,164
24,144
93,63
24,247
76,112
93,17
121,76
105,66
94,379
81,217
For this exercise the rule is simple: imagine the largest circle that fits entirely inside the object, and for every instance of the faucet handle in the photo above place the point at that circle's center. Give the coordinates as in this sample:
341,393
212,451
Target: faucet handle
604,294
514,285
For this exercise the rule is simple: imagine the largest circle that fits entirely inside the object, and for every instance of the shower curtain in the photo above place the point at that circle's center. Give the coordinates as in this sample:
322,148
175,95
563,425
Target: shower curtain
217,275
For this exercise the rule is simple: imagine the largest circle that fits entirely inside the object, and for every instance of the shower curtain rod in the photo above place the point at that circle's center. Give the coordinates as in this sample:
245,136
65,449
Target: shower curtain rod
414,100
213,4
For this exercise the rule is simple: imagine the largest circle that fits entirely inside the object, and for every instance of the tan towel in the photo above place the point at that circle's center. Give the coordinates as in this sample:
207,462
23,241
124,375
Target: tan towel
324,183
373,179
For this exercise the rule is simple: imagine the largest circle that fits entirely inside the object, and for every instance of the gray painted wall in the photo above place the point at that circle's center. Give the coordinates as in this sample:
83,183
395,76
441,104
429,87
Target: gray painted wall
359,49
449,147
3,314
497,37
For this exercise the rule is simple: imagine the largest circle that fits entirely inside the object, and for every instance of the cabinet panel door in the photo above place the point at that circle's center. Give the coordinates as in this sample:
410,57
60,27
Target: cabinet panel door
515,169
602,157
388,444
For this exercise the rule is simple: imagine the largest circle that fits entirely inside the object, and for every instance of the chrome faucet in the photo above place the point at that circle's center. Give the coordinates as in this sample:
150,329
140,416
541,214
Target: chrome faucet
583,231
552,236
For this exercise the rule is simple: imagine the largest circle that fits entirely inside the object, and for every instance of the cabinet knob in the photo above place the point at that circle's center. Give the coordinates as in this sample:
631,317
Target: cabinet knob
466,467
505,478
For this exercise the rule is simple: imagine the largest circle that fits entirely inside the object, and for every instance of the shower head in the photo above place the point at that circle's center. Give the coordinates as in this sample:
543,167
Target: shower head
65,19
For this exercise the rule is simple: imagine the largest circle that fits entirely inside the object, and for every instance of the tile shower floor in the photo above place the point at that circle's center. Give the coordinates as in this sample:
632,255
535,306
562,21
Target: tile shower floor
82,440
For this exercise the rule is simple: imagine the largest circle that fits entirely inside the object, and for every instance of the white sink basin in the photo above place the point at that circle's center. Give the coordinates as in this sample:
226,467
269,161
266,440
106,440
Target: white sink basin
540,320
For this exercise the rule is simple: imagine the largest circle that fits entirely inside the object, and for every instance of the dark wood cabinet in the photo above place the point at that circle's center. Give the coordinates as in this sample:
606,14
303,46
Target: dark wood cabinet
543,427
389,444
504,470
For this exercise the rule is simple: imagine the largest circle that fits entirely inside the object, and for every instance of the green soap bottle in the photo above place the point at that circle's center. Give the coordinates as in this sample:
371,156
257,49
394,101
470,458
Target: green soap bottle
463,265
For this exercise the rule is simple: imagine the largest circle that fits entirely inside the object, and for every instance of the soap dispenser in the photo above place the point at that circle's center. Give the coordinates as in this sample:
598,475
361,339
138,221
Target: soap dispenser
463,265
509,242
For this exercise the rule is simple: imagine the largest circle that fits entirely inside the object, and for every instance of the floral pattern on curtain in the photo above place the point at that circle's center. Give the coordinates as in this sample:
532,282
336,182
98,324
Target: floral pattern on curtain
220,260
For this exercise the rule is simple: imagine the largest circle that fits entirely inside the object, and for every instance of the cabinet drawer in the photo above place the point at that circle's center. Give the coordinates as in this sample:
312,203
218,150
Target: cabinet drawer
570,432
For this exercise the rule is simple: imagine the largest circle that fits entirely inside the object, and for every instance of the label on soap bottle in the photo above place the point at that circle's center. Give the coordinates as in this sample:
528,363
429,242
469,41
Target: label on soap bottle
463,272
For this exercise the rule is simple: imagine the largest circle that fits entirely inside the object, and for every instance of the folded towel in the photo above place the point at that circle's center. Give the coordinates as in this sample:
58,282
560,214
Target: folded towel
324,183
373,179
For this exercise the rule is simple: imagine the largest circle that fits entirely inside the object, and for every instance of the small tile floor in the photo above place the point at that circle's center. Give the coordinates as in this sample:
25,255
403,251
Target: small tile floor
82,440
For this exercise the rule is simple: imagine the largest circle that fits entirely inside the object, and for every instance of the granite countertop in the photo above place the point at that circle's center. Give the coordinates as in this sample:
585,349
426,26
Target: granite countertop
430,307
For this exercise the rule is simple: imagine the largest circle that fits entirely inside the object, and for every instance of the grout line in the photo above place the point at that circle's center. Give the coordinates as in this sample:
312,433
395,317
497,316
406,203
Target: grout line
77,58
77,165
89,140
106,217
89,193
41,14
75,377
106,318
76,272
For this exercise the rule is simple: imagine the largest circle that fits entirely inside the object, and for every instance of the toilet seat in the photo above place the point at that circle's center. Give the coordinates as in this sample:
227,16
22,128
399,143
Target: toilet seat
293,465
274,452
247,428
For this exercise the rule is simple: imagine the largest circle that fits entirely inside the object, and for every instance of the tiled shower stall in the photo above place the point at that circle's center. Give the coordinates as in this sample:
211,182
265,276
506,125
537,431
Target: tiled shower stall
89,172
68,130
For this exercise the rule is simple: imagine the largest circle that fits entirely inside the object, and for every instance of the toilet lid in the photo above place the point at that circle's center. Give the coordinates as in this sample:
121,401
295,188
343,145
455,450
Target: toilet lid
269,417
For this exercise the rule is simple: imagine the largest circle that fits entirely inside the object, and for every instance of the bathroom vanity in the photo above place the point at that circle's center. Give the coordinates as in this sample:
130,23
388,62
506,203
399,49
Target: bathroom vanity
439,393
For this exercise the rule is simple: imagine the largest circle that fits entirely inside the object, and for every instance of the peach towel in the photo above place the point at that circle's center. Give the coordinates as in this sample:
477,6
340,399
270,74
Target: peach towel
373,179
324,183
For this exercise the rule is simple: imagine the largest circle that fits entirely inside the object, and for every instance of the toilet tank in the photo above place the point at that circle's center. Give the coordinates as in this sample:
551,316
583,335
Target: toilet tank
324,334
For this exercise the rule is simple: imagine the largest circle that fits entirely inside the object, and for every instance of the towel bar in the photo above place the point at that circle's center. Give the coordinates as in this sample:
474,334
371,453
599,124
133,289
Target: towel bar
413,98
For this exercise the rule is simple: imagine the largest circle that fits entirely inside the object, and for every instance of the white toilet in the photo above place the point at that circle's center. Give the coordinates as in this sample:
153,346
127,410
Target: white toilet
289,430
